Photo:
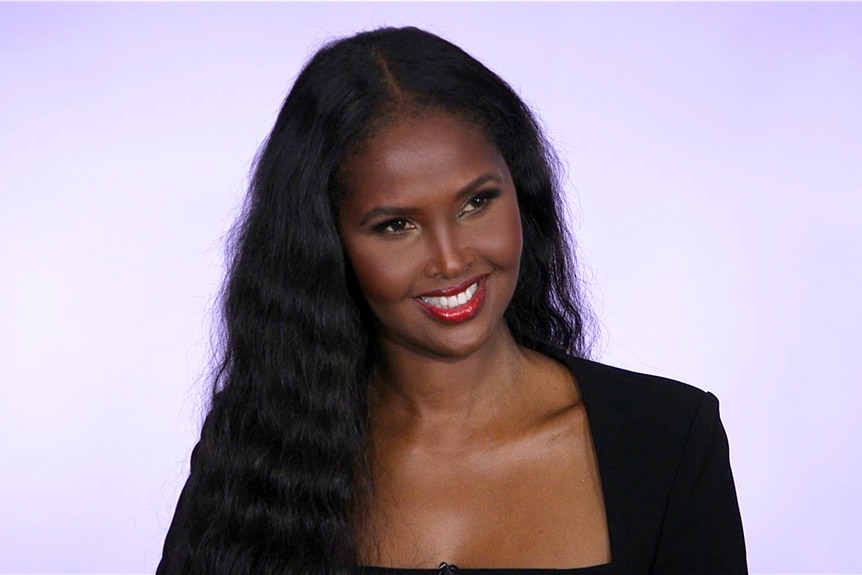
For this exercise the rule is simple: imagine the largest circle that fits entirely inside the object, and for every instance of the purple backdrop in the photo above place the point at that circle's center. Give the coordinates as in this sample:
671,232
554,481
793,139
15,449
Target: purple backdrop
715,181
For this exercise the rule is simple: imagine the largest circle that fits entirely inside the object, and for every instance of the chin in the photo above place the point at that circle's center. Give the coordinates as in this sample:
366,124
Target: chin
460,342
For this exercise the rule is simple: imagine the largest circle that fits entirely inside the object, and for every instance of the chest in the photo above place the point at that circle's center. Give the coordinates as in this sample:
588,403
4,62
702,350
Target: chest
534,504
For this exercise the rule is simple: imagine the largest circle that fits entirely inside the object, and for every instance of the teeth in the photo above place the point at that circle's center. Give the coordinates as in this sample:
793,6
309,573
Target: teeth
453,301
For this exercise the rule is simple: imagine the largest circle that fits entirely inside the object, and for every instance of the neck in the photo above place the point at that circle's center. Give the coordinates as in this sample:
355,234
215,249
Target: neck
447,399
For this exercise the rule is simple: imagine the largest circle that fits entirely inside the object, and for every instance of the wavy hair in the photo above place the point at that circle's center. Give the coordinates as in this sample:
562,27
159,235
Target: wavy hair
280,470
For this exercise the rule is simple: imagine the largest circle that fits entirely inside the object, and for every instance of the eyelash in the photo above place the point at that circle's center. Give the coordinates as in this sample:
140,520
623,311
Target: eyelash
484,197
398,226
382,227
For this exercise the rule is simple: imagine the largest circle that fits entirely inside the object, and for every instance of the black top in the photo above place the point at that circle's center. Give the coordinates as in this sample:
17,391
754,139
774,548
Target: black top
663,458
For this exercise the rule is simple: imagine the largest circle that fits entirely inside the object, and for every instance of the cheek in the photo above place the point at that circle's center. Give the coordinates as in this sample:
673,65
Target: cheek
381,274
503,240
516,237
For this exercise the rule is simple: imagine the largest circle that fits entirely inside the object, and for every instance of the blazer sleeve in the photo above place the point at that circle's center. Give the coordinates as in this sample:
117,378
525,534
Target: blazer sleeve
701,531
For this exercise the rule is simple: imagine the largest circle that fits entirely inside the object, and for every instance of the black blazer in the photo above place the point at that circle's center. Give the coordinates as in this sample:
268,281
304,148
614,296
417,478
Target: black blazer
663,458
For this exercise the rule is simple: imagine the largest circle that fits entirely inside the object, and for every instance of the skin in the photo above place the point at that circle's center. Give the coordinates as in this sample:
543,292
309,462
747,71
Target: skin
481,453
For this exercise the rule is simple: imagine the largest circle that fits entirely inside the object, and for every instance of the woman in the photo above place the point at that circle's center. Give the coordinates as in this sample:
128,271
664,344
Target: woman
401,389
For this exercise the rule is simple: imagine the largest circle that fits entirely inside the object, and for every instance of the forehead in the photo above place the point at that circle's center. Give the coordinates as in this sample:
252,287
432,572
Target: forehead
418,156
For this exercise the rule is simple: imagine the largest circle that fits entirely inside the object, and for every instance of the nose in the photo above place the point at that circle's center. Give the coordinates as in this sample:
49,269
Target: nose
449,256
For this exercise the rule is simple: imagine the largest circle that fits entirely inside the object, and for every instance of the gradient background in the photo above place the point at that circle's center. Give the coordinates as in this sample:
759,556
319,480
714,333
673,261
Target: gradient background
714,157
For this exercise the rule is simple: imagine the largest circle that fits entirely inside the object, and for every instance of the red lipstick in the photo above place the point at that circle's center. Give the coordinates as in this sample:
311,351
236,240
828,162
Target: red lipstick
457,313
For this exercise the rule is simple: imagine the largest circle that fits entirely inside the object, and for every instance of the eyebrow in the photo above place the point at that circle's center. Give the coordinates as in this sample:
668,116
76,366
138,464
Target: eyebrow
408,210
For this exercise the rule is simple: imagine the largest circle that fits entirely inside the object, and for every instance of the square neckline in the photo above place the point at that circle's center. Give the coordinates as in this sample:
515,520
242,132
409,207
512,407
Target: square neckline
570,362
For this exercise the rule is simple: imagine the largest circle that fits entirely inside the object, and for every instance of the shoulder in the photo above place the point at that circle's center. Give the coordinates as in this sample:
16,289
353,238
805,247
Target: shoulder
644,425
663,457
635,395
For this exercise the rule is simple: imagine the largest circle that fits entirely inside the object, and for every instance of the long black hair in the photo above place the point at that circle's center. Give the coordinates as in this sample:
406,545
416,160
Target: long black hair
280,468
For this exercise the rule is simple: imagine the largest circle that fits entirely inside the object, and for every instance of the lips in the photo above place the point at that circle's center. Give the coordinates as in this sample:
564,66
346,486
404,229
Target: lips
457,303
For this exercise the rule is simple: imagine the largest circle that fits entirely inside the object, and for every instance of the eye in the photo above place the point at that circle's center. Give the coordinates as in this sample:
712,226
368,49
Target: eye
478,201
393,227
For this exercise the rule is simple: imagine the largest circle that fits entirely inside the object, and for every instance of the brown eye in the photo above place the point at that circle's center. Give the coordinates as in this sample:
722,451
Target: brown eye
479,201
393,227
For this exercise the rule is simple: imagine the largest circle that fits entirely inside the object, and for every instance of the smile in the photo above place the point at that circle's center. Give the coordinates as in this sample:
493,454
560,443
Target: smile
458,306
453,301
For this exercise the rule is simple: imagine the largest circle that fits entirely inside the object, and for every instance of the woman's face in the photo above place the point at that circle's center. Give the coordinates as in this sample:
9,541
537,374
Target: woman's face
431,227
